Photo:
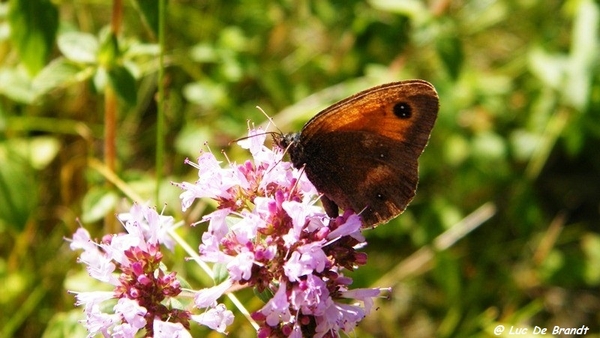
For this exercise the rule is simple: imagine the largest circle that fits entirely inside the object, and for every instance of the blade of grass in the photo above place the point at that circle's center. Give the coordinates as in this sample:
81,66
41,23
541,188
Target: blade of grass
418,262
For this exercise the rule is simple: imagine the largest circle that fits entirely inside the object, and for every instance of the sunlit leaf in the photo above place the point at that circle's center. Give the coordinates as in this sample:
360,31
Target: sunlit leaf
109,52
97,204
38,151
78,46
59,73
414,9
15,84
204,93
584,54
591,247
549,68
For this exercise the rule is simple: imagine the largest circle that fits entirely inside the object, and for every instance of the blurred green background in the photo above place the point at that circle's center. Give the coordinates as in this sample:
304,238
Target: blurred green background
517,141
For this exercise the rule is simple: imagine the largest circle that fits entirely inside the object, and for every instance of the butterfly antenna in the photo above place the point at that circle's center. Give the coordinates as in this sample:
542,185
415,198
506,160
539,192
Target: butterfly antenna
284,151
250,136
271,121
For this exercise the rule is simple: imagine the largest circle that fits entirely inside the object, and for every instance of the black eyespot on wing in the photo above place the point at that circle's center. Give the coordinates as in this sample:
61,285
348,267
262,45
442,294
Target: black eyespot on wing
402,110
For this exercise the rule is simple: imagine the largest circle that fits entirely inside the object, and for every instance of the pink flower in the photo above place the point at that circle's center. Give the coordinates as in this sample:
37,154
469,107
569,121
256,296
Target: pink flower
170,330
140,283
240,267
218,225
300,213
81,240
100,267
338,317
210,250
124,330
213,182
266,231
364,295
132,312
91,299
276,238
217,318
308,259
99,322
278,308
246,229
351,227
208,297
311,296
152,226
255,143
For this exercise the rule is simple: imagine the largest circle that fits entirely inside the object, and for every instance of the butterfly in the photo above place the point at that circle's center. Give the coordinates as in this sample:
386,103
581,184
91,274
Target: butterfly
362,152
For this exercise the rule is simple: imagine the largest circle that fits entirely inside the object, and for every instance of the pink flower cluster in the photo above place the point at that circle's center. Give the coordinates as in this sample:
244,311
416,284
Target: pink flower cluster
266,232
131,263
269,235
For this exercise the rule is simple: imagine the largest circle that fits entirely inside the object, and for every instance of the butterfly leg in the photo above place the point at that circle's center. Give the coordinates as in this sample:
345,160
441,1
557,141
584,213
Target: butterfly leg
330,207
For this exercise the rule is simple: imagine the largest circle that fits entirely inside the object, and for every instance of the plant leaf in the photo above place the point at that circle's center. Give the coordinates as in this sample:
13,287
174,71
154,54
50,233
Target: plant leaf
78,46
124,84
33,25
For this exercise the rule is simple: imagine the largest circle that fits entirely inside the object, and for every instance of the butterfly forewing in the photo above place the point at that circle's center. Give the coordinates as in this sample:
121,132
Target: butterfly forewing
362,152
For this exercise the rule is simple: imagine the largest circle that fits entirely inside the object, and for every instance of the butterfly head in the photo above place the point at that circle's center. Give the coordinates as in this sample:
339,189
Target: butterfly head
290,143
284,141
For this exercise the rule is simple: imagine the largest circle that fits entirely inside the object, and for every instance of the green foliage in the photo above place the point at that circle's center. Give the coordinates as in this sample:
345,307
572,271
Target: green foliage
33,25
518,129
17,189
149,13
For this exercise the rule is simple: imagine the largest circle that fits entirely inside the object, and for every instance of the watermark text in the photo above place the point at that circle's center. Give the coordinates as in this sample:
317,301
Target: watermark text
538,330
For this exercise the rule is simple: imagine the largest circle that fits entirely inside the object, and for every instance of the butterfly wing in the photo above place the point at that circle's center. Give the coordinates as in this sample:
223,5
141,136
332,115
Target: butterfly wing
362,152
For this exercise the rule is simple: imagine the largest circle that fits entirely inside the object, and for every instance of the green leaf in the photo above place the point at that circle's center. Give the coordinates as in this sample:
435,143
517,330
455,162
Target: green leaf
100,79
97,203
489,146
109,49
124,84
450,50
141,49
33,25
17,188
16,85
549,68
584,56
149,11
220,273
66,324
590,244
204,52
59,73
265,295
205,93
78,46
414,9
37,151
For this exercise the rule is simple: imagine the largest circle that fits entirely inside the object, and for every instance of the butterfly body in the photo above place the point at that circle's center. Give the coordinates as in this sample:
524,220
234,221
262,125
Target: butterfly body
362,152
